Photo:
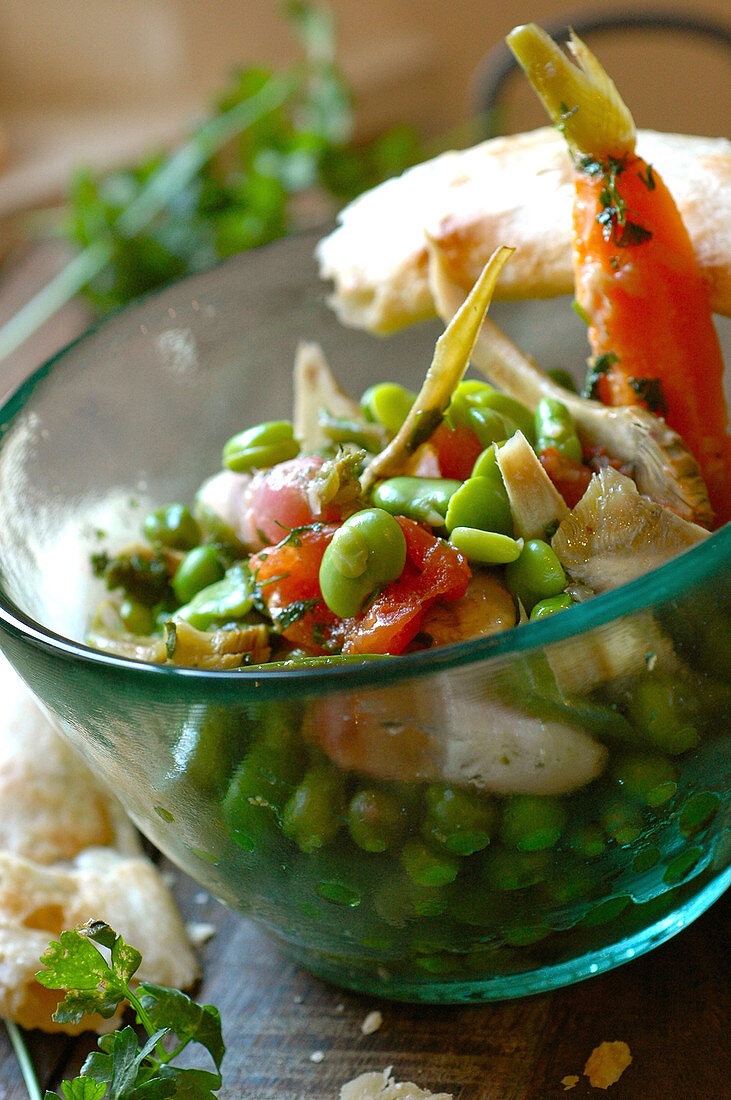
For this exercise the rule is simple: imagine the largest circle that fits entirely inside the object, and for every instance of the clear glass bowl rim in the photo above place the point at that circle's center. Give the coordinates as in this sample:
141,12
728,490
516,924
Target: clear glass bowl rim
659,585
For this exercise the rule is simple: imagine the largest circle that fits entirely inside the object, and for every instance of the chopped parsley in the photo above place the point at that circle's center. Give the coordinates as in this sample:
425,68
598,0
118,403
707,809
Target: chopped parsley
613,217
293,612
598,367
651,392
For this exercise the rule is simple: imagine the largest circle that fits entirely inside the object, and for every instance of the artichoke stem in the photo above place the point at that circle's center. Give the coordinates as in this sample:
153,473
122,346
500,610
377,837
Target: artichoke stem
579,96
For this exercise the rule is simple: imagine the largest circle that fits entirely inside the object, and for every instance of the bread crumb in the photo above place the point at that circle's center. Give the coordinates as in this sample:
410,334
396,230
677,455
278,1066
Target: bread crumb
371,1023
607,1063
381,1086
569,1081
199,932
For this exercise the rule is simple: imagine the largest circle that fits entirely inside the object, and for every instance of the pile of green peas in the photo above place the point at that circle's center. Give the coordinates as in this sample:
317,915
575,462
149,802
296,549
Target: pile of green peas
394,858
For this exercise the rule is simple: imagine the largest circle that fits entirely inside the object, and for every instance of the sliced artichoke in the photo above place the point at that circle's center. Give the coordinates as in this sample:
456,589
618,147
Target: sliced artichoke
536,505
451,359
615,534
316,388
499,749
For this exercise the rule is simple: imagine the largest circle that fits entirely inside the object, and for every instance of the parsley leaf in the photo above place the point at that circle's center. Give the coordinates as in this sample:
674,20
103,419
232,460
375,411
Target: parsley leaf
171,1009
82,1088
96,968
76,965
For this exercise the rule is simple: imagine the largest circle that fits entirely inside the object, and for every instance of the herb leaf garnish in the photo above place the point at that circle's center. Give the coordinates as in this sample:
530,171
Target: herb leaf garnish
97,980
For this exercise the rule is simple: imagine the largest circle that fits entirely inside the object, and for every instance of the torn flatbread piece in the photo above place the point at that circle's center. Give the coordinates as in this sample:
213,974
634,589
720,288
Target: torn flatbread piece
38,902
52,807
69,854
515,190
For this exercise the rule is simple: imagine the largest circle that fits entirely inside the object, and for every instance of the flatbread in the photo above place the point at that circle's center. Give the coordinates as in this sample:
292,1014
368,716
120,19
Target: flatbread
38,901
515,190
69,854
52,806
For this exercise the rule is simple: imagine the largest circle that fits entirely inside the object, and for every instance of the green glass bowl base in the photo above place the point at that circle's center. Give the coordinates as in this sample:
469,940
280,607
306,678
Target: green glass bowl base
381,979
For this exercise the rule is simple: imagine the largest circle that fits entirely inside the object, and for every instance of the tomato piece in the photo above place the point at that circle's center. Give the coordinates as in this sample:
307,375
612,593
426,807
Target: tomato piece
288,576
569,477
457,450
434,570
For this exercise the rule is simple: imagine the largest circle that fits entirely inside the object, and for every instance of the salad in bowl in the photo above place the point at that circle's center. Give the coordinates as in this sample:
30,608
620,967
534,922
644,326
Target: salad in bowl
424,679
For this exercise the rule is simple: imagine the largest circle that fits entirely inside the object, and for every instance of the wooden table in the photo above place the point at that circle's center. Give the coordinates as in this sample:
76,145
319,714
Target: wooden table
292,1037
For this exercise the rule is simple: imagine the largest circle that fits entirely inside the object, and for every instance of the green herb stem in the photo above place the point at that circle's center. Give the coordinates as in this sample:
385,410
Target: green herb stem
26,1066
163,185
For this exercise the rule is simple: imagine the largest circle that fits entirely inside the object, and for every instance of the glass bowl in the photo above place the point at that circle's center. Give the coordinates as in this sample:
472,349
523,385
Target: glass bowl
421,868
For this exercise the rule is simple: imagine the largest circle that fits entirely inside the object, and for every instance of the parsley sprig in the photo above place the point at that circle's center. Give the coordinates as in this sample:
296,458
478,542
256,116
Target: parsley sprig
96,967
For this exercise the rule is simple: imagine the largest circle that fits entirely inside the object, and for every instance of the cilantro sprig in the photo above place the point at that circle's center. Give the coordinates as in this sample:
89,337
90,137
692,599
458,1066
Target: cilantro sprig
95,967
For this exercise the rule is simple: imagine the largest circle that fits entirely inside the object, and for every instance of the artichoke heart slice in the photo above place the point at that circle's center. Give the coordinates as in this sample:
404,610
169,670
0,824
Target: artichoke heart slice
615,534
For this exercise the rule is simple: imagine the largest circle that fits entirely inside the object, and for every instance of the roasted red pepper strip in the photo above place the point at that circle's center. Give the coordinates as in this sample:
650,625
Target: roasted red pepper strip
569,477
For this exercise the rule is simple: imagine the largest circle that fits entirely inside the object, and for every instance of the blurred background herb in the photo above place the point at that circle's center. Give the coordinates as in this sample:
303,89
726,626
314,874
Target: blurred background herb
292,165
275,154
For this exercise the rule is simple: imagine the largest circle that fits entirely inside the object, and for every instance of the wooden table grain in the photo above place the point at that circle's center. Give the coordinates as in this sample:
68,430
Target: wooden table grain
290,1036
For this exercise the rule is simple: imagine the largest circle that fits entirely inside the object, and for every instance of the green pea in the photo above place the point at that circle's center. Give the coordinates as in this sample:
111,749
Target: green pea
260,788
544,608
681,866
314,813
261,446
514,411
467,394
531,823
663,711
489,425
507,869
215,530
621,821
226,600
646,778
340,429
486,547
427,867
469,408
200,567
365,553
424,499
536,574
458,820
376,819
486,465
554,427
137,617
172,526
388,404
587,839
480,502
698,811
605,911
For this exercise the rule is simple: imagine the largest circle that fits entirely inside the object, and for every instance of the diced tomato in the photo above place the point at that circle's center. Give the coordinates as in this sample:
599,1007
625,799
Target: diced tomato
457,450
288,575
569,477
434,570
